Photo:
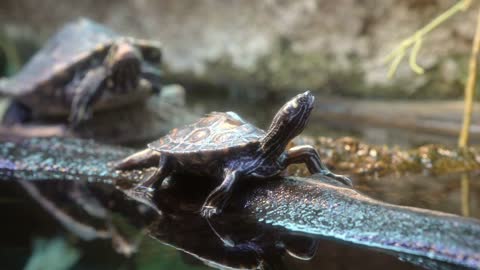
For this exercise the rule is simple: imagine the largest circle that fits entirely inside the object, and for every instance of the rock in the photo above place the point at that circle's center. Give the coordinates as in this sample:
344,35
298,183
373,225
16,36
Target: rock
173,94
281,45
139,123
135,124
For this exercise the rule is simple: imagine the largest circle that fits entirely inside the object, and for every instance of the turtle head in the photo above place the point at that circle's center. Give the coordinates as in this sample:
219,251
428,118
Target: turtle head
289,121
123,62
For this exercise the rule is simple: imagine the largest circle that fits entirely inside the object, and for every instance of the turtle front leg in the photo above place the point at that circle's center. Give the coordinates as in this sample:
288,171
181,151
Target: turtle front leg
308,154
86,93
218,198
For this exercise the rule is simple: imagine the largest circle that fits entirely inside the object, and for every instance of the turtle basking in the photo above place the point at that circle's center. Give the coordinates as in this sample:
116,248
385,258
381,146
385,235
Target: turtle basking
84,67
226,147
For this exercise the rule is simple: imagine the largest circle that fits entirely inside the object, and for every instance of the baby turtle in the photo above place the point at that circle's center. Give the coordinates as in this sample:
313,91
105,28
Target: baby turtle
225,146
84,66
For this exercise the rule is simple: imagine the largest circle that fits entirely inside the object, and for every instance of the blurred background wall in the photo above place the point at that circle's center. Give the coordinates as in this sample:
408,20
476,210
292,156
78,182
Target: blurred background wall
334,47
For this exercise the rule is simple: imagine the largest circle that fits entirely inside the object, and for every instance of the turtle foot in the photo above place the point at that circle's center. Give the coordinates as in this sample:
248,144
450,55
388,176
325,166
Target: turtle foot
208,211
141,191
340,178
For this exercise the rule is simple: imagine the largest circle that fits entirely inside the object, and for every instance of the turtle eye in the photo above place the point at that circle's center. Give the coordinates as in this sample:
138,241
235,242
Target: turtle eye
152,55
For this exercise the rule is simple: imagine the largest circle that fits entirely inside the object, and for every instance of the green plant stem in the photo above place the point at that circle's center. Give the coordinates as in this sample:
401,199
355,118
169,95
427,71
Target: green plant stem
470,89
415,40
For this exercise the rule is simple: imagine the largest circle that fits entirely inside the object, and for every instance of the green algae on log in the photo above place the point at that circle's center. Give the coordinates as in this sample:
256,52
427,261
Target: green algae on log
310,206
363,160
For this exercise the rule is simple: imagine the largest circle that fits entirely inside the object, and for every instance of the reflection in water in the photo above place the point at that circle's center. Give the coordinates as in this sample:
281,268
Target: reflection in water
465,186
444,193
83,231
175,222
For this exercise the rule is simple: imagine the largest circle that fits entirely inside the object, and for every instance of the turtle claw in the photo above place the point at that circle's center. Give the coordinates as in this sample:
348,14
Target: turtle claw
208,211
141,191
340,178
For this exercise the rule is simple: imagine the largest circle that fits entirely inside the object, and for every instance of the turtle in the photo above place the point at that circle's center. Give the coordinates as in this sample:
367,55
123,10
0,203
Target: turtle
226,147
84,66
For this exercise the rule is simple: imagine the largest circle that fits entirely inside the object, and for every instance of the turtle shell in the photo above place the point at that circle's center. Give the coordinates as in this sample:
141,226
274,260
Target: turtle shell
215,132
79,44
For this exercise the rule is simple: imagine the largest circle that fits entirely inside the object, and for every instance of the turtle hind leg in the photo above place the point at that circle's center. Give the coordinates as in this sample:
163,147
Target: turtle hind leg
218,198
146,186
17,113
143,191
308,154
165,167
143,159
